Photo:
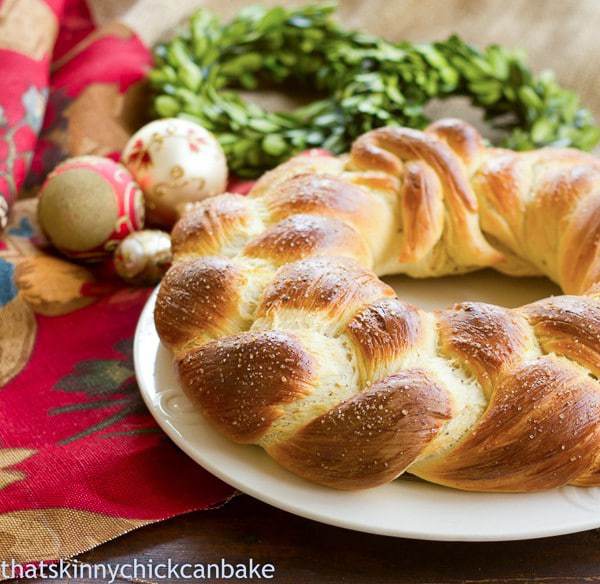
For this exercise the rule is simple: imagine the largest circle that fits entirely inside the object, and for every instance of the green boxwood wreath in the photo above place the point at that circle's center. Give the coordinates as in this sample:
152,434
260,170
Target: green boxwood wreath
368,82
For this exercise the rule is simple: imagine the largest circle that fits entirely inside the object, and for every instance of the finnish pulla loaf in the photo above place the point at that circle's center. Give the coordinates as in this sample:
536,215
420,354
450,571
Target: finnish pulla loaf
284,336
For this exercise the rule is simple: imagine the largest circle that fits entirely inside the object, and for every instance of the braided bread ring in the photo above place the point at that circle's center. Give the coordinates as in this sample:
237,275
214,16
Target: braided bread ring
285,337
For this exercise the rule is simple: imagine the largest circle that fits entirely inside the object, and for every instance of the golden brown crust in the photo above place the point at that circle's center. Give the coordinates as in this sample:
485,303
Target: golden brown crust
382,333
499,183
463,138
390,149
323,194
552,220
541,430
270,181
568,326
371,438
198,300
406,144
301,236
375,180
422,212
330,286
579,253
239,381
207,227
484,339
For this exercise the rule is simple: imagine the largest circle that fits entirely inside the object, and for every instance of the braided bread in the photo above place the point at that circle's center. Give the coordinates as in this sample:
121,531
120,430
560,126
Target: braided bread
284,336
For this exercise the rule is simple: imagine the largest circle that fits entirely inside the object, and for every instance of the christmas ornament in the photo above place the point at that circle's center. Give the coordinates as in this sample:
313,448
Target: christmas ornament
87,205
175,162
142,258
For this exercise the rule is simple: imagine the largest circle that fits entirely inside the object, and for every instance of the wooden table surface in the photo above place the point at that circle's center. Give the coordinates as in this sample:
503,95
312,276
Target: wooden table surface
304,551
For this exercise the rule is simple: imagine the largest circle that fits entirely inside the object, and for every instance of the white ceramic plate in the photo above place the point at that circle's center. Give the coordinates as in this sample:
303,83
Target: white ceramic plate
404,508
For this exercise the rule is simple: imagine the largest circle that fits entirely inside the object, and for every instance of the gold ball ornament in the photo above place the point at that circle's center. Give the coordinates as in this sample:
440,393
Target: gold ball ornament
142,258
175,162
87,205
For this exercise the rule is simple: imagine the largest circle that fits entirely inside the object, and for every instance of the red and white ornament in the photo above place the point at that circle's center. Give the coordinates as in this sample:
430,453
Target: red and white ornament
175,162
87,205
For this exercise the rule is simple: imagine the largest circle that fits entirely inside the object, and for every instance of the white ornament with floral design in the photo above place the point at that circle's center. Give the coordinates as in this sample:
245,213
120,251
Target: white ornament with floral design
175,162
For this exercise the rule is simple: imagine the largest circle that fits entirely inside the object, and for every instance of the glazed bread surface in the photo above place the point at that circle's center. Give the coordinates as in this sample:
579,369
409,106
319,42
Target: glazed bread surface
284,336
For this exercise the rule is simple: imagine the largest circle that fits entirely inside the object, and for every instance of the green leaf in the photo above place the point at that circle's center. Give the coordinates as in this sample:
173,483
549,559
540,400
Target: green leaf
166,106
274,145
262,125
96,377
542,130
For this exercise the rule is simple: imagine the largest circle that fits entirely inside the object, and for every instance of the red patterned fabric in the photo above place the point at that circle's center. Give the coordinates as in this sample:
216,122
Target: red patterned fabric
24,66
94,101
76,404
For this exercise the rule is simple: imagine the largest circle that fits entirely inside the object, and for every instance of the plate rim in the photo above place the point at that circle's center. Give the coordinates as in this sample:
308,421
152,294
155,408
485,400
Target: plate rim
289,506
